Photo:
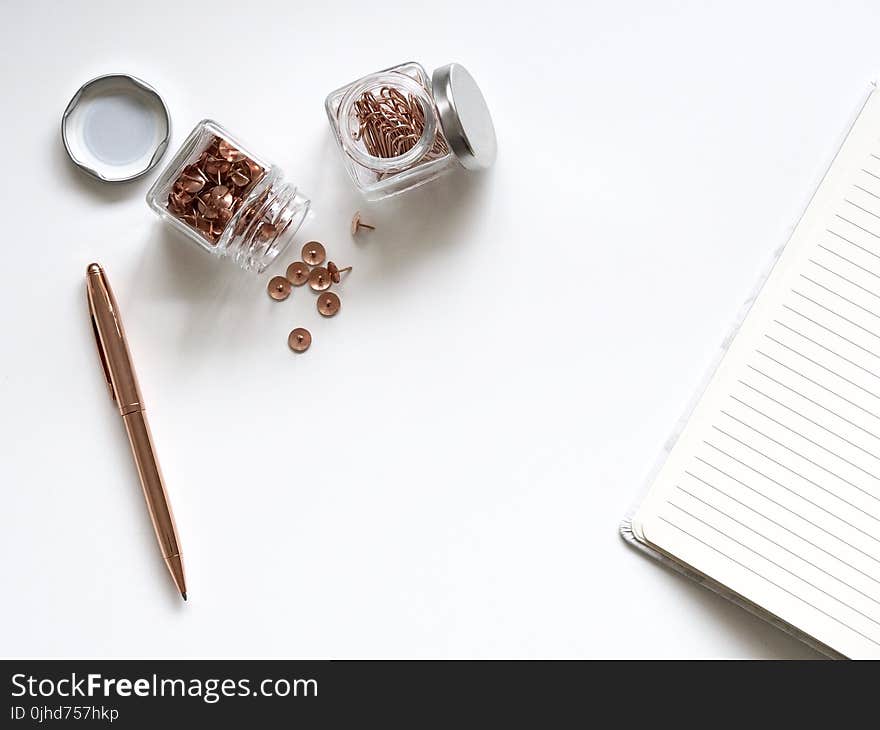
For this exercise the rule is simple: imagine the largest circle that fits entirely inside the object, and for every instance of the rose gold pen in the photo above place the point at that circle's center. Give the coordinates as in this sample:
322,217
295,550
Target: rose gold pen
124,390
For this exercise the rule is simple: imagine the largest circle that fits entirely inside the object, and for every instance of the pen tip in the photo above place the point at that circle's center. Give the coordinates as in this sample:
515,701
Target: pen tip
94,269
184,595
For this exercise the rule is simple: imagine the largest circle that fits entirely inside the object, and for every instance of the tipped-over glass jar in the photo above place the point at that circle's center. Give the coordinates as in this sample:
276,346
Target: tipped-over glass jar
228,200
400,128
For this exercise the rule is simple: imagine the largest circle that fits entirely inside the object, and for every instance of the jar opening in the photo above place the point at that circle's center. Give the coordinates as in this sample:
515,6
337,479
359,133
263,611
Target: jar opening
266,225
388,123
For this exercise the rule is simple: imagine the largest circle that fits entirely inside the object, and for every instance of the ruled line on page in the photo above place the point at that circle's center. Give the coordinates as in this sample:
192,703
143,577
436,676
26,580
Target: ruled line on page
814,402
809,420
856,225
798,495
865,190
819,365
813,463
781,567
810,522
843,278
827,491
797,433
849,261
778,566
836,314
810,380
839,295
852,243
798,556
856,205
824,347
768,580
829,330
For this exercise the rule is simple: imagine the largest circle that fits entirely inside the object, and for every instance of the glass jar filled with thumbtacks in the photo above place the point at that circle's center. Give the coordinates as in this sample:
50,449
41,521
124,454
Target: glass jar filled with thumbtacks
227,199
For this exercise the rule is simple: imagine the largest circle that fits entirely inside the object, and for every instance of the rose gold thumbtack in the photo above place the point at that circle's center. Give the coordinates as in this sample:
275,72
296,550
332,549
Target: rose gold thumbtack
192,180
239,178
335,271
228,152
278,288
217,200
266,232
328,304
314,253
357,224
299,339
298,273
320,279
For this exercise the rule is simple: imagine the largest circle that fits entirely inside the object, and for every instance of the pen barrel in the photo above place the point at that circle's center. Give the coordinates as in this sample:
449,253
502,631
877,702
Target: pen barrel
150,474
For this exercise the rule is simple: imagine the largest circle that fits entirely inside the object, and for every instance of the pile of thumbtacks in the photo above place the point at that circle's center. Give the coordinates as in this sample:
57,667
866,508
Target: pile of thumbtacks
319,278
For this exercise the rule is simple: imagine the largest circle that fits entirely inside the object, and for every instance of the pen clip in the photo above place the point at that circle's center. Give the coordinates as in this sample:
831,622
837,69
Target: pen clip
101,354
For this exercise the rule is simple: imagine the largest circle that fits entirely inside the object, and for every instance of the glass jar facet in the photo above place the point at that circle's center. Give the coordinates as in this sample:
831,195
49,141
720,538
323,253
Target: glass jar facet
229,201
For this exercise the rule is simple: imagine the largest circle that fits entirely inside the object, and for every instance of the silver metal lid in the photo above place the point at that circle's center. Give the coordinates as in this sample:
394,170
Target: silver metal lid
116,128
464,116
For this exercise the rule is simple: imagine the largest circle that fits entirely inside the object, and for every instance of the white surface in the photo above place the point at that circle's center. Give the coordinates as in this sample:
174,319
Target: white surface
443,473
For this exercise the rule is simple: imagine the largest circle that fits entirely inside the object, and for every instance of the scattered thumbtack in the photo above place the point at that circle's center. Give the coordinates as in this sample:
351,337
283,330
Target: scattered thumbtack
314,253
298,273
319,279
278,288
357,224
299,339
328,304
335,272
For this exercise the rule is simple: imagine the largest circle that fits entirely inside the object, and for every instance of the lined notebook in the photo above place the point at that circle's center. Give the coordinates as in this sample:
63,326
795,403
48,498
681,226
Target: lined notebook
772,489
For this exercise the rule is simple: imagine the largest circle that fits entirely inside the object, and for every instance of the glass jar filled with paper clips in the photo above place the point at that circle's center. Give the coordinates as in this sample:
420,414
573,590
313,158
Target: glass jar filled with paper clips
400,128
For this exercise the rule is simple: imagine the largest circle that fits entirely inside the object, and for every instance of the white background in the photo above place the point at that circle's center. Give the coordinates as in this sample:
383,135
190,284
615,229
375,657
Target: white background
443,473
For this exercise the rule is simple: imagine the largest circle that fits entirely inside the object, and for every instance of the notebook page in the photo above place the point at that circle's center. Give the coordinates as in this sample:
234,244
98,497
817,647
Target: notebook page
773,486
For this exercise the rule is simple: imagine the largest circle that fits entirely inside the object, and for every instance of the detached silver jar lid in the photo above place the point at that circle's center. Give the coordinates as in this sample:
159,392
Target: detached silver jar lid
464,116
116,128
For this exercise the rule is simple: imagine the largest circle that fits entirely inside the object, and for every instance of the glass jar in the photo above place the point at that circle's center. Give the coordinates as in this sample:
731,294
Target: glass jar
400,128
228,200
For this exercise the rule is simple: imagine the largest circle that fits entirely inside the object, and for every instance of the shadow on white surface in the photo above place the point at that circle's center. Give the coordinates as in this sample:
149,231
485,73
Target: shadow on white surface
436,215
755,636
